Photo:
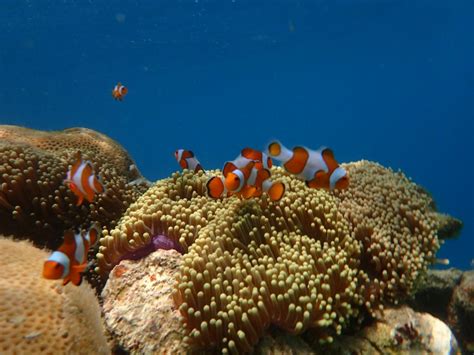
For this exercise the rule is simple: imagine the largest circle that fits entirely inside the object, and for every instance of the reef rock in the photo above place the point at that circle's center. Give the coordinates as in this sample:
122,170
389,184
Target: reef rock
278,342
461,311
398,331
315,260
139,310
43,316
434,291
34,201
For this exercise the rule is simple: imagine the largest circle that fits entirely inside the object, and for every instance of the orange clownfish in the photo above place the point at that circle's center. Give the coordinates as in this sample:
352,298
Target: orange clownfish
82,181
263,183
233,181
262,160
119,92
247,155
318,168
187,160
246,178
70,260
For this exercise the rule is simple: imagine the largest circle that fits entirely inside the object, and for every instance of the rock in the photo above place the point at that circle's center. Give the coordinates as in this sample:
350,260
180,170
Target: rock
139,310
398,331
449,227
279,342
461,311
433,292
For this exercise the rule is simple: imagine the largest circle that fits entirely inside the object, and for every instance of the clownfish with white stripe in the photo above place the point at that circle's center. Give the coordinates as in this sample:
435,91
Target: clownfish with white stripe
119,92
248,155
70,260
318,168
246,176
187,160
262,160
233,181
82,181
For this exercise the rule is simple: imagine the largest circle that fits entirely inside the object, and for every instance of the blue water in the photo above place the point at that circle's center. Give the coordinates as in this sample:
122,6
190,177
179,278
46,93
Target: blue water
390,81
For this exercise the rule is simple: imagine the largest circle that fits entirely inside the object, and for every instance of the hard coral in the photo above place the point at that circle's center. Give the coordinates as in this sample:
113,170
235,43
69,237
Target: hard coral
35,203
42,316
313,260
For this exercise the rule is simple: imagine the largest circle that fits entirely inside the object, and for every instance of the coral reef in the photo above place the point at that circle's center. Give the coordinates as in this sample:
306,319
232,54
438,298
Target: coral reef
448,295
433,292
43,316
313,260
34,201
397,331
461,311
138,307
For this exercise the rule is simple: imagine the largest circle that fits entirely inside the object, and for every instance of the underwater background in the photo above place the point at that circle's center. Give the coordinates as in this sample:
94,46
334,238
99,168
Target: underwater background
389,81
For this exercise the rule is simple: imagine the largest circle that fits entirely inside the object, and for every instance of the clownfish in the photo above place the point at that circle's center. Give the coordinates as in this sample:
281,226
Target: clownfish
236,179
82,181
216,187
263,183
318,168
119,92
233,181
187,160
70,260
246,178
248,155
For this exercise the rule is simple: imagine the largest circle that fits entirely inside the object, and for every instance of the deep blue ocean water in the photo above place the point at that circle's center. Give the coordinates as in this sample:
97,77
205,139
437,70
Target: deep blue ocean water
390,81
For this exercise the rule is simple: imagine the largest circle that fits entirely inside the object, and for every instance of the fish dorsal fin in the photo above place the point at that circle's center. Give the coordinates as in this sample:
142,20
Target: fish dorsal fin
187,154
76,164
328,157
69,245
251,153
228,168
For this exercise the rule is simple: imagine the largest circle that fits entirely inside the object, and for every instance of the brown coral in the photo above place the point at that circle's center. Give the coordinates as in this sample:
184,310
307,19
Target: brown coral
312,260
35,203
43,316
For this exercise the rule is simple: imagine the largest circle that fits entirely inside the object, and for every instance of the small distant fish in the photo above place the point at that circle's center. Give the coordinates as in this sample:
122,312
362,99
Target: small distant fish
70,260
82,181
119,92
187,160
317,168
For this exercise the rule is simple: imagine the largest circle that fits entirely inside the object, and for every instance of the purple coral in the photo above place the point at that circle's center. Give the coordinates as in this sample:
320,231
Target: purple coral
158,241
